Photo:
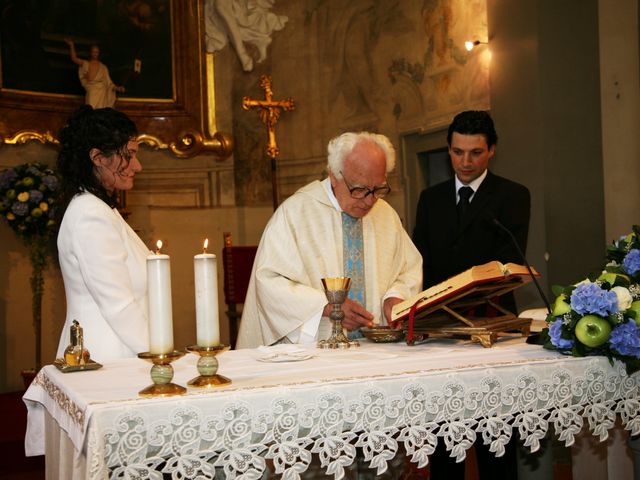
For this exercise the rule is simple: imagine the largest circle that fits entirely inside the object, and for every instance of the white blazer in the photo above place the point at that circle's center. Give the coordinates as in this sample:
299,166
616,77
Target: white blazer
103,265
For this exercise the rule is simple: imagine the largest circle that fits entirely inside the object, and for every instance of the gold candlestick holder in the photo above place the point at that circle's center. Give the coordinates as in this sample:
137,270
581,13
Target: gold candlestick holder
337,289
162,374
208,367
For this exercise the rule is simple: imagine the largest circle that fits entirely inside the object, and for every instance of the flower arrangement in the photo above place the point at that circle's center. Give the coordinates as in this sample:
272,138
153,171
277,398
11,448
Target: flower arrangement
601,316
27,196
27,204
623,255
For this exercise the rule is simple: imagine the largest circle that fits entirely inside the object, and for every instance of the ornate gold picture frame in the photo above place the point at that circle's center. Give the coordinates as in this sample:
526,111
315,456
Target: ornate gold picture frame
183,122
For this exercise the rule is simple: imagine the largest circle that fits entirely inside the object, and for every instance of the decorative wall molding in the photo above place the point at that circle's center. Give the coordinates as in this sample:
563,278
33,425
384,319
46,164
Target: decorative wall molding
183,187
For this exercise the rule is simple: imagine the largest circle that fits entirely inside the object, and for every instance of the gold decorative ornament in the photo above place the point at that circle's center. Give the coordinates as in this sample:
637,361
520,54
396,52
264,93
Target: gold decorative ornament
24,136
193,143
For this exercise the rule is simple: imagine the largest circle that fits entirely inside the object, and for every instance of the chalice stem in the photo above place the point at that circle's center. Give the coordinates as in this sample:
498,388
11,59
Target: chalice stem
337,315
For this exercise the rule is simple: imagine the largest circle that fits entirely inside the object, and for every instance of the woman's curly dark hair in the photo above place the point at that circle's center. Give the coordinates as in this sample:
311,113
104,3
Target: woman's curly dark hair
105,129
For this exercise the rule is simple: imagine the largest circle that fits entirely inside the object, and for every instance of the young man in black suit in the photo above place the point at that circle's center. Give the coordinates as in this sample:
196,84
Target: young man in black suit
455,230
452,241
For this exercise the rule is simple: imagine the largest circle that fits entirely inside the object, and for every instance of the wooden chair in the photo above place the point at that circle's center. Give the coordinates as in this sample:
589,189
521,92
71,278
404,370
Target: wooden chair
237,264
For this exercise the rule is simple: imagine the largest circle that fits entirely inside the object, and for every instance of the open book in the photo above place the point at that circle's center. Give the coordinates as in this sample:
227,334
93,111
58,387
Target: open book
492,273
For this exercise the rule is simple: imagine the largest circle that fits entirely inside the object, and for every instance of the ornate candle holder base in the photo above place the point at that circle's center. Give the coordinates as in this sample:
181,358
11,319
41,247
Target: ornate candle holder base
162,374
336,289
208,366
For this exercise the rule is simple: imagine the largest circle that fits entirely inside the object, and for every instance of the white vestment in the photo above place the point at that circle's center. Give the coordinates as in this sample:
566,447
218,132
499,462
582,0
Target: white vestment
301,244
101,91
103,264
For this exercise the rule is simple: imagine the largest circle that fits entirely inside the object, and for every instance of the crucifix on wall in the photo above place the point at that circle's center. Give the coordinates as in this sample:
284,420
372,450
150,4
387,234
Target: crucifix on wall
269,111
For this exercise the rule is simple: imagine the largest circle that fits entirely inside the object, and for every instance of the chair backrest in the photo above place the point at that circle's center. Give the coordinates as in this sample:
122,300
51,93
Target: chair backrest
237,263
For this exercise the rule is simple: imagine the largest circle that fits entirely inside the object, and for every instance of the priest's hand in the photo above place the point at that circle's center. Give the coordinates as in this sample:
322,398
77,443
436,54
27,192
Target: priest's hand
355,315
388,305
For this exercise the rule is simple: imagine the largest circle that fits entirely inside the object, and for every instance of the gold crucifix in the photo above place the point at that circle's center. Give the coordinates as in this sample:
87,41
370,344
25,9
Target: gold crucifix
269,111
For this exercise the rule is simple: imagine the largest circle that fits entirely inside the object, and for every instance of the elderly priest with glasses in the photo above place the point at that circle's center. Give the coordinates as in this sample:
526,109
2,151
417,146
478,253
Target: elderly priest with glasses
336,227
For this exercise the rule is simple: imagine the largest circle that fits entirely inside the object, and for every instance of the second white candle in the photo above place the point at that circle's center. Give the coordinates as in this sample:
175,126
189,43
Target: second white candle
206,285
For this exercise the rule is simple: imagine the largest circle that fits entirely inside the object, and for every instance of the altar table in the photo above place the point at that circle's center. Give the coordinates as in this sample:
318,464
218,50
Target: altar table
376,397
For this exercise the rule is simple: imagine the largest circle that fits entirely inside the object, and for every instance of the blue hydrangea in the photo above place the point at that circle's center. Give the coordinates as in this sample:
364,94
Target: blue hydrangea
590,298
50,181
35,196
631,263
555,333
625,339
6,177
20,208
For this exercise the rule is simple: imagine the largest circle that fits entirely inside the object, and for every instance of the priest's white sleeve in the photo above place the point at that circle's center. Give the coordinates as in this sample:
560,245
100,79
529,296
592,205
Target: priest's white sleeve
308,333
285,298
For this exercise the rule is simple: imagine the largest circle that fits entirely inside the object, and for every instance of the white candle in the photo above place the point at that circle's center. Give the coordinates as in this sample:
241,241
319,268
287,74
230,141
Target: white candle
206,281
160,311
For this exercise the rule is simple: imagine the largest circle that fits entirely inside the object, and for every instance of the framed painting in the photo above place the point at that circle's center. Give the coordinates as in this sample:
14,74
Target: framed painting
153,50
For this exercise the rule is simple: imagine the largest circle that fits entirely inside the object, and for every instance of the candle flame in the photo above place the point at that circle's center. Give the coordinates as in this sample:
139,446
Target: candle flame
205,245
159,246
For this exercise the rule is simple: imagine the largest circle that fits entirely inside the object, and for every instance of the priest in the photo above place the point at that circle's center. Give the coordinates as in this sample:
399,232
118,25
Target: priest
332,228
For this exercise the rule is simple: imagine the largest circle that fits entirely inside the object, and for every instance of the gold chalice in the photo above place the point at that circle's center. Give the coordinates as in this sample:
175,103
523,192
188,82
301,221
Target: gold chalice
337,289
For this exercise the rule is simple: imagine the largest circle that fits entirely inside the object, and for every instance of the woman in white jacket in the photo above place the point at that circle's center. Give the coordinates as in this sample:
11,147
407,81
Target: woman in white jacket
103,261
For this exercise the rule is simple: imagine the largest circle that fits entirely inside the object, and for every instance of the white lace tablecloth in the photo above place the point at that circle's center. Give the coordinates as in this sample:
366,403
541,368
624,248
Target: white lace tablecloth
375,397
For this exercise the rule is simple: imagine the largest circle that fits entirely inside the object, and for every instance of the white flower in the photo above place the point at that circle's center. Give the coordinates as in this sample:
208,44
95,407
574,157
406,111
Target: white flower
624,298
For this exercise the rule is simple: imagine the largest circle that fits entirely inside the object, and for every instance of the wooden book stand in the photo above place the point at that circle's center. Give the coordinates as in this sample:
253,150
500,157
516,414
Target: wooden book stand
458,309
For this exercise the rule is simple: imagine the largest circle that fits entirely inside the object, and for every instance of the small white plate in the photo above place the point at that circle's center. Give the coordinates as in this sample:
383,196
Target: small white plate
284,357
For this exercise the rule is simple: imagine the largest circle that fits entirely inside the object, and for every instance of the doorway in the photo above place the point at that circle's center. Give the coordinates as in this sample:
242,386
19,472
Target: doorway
426,163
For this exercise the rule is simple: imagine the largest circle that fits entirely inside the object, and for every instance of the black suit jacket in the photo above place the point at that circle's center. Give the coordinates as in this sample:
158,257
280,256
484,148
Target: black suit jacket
449,247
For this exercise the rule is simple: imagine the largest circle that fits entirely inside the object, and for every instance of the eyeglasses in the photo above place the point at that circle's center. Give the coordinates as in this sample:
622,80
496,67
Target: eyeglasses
359,193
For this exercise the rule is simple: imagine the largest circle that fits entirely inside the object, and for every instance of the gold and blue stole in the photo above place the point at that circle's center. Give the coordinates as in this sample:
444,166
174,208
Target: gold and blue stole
353,261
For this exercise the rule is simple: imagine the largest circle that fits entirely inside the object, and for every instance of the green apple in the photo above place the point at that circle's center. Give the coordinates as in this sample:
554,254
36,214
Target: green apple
611,277
560,306
592,330
608,277
635,306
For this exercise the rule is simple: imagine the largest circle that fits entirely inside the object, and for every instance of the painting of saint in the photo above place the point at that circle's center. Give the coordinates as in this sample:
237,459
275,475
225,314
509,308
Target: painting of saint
134,38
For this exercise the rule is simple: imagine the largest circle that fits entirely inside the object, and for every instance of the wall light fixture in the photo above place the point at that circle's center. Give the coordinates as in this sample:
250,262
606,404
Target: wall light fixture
469,45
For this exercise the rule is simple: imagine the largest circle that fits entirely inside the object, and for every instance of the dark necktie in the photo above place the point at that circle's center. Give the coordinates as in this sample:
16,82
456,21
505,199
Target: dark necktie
463,205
